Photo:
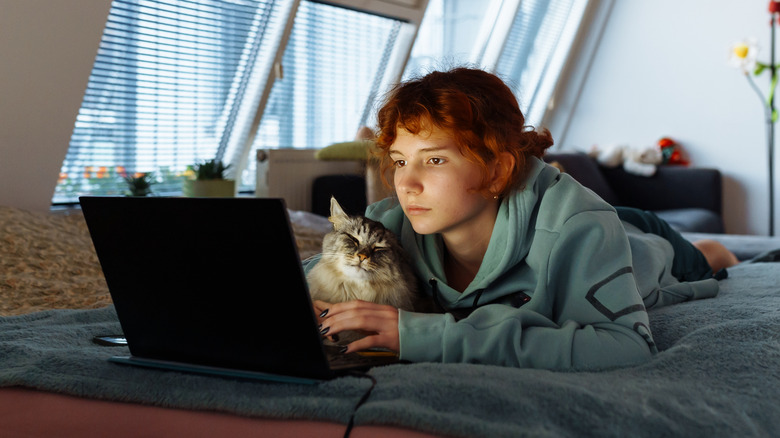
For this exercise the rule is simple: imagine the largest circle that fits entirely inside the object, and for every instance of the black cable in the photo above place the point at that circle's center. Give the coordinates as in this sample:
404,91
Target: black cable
362,400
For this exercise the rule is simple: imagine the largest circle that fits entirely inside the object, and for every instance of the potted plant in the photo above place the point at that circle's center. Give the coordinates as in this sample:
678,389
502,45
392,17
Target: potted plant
209,181
140,184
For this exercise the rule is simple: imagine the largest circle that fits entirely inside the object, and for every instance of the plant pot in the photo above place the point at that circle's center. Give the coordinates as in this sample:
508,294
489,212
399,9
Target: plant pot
209,188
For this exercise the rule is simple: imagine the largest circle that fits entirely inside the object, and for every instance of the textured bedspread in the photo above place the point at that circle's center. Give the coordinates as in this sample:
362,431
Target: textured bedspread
718,375
47,261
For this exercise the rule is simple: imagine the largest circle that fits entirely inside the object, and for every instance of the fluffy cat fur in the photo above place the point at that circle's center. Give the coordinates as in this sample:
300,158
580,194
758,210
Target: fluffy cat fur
362,260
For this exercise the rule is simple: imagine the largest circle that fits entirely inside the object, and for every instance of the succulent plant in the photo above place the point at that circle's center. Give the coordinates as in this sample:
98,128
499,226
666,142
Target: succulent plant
212,169
140,184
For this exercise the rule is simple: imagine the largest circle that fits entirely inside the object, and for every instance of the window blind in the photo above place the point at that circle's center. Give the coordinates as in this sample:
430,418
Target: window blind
529,57
163,92
541,30
334,67
176,82
449,35
331,64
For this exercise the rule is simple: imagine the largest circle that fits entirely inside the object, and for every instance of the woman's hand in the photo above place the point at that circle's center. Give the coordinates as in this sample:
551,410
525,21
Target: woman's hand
379,322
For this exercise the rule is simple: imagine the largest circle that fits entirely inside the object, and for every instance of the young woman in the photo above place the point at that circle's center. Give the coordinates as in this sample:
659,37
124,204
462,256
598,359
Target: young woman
528,268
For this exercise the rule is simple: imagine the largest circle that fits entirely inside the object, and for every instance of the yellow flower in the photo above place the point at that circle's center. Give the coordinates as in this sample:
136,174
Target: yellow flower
188,174
743,55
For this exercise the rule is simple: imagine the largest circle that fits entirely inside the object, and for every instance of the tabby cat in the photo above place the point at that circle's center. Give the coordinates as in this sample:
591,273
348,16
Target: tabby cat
362,260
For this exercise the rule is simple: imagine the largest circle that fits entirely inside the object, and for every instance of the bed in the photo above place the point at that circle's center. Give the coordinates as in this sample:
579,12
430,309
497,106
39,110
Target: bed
718,372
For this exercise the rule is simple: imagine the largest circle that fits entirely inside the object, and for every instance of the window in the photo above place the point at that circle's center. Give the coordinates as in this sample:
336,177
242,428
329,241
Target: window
177,82
525,42
335,65
536,49
169,81
453,33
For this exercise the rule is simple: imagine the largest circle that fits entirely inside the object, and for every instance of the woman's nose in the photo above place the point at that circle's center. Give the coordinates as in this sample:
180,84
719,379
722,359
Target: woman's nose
407,180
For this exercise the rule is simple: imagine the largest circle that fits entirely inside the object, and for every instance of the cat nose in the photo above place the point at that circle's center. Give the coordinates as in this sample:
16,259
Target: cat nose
362,256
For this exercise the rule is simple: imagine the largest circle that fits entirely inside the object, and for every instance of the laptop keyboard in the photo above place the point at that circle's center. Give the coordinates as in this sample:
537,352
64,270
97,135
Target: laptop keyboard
365,359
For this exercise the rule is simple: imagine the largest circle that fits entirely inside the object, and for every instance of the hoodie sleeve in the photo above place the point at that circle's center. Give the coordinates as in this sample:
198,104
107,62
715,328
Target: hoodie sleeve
585,312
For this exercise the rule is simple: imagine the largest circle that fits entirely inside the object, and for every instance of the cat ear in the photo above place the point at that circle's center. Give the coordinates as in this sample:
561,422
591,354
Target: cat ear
337,214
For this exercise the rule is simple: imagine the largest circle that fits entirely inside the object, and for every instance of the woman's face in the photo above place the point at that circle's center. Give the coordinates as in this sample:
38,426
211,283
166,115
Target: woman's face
438,188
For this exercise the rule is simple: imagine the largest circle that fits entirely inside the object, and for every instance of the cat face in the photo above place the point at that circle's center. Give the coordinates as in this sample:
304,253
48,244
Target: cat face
362,260
360,246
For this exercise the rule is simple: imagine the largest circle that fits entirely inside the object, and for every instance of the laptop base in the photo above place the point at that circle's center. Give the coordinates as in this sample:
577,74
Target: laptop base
209,370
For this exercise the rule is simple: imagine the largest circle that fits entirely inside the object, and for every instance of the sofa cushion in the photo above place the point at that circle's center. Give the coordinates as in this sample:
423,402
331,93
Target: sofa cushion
698,220
671,188
586,171
349,150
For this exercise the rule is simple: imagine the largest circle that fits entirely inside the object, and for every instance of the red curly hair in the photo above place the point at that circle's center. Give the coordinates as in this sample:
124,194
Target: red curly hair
477,108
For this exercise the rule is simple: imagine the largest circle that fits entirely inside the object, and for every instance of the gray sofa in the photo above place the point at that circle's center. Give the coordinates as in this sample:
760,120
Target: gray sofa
688,198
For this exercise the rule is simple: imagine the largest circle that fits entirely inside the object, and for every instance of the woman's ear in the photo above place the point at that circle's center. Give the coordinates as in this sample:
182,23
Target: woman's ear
501,172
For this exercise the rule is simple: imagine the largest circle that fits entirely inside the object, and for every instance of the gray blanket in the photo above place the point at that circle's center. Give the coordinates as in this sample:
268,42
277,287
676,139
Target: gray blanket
718,374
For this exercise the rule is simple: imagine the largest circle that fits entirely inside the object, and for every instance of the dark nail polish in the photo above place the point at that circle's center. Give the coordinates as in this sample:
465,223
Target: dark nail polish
324,312
325,330
343,349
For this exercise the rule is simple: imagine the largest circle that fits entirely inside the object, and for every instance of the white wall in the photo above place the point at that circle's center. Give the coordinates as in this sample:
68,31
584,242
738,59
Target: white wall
47,48
661,70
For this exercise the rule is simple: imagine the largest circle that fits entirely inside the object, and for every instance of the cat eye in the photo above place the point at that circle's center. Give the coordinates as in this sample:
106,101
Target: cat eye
353,239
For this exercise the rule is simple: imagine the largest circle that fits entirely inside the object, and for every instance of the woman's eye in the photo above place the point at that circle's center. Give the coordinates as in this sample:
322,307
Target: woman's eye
436,160
399,163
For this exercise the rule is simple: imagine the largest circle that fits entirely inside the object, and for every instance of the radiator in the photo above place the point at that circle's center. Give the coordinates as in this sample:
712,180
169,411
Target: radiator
289,174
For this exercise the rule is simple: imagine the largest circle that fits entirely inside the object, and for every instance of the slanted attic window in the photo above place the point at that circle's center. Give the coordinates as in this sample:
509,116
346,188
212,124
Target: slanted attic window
177,82
336,64
526,42
537,47
170,79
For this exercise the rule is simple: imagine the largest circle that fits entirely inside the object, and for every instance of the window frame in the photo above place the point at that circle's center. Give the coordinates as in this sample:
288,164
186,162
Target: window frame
565,87
408,11
576,68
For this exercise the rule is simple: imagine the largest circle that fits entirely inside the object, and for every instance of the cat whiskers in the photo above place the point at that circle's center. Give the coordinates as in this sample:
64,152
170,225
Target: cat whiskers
365,264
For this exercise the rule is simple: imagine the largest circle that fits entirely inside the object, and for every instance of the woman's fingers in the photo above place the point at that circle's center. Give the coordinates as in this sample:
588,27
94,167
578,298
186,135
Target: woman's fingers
367,343
320,310
379,322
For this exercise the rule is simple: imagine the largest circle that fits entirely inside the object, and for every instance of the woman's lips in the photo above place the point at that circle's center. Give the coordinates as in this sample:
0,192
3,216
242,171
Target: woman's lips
414,210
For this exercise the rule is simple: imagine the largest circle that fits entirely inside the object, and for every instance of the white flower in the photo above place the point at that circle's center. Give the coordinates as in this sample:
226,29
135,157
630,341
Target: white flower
743,55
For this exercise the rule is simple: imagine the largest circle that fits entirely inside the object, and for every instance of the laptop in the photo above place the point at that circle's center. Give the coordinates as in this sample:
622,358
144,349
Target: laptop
213,285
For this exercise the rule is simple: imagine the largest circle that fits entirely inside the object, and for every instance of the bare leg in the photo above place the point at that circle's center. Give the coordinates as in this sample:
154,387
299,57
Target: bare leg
717,255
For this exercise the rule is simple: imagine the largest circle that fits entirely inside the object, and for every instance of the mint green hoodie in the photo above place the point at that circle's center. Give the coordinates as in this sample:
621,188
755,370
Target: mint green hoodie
557,289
